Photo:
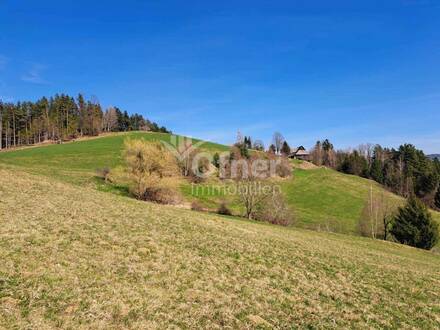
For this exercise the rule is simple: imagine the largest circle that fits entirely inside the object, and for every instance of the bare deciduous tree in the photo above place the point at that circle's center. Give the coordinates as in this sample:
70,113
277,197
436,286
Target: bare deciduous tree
251,187
317,154
251,194
278,141
110,120
377,215
366,150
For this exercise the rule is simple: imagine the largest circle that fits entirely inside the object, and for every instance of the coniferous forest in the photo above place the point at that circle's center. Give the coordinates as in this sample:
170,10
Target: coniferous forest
62,118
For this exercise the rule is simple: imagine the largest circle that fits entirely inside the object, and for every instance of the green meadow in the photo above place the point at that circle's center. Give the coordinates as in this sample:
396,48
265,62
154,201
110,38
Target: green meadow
322,199
77,161
77,255
75,258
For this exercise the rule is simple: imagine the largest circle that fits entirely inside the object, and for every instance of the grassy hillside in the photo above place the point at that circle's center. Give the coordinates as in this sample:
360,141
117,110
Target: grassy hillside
321,198
77,162
75,257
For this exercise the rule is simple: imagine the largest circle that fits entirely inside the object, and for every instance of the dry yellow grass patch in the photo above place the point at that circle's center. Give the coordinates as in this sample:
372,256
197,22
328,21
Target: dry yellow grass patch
77,258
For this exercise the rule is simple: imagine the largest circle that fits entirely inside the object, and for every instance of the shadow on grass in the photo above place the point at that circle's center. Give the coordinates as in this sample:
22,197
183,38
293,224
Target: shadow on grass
117,189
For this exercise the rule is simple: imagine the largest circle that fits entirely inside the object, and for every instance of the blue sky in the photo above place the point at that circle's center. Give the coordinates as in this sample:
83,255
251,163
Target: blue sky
350,71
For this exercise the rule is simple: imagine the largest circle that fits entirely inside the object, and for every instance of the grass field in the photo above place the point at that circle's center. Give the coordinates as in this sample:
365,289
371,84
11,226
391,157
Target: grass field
325,197
77,162
320,197
75,257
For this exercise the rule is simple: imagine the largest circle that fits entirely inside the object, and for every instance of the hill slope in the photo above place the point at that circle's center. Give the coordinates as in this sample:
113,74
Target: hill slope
77,161
320,197
327,198
76,257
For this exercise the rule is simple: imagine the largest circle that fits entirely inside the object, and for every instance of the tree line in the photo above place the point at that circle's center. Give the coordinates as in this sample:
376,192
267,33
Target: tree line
279,145
405,171
63,117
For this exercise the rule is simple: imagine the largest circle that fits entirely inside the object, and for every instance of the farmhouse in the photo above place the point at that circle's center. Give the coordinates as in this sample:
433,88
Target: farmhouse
300,153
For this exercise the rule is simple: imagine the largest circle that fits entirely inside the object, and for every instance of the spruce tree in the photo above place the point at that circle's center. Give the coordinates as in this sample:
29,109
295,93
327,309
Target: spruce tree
414,226
437,198
244,150
249,143
376,172
285,149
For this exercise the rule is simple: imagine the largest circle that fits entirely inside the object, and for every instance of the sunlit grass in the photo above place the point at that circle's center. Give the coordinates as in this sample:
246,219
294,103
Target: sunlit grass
74,257
77,162
318,196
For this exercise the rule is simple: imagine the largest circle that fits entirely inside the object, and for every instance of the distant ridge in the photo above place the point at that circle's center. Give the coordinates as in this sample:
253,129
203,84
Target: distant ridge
433,156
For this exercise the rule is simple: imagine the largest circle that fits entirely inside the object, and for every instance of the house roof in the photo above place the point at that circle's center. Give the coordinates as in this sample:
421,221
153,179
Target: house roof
299,152
302,153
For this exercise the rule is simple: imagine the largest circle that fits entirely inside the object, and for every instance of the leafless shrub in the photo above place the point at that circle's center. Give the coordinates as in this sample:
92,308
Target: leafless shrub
284,168
223,209
164,193
275,210
152,171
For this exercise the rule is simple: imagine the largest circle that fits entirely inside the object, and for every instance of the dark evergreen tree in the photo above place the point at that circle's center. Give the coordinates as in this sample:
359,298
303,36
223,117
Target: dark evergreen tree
272,149
126,121
163,129
154,127
137,122
437,199
248,142
376,171
216,160
244,151
355,164
414,226
285,149
436,164
82,114
327,145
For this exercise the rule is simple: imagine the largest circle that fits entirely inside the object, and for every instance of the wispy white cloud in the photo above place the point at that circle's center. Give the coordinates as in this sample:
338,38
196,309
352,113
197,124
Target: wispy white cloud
34,75
4,98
